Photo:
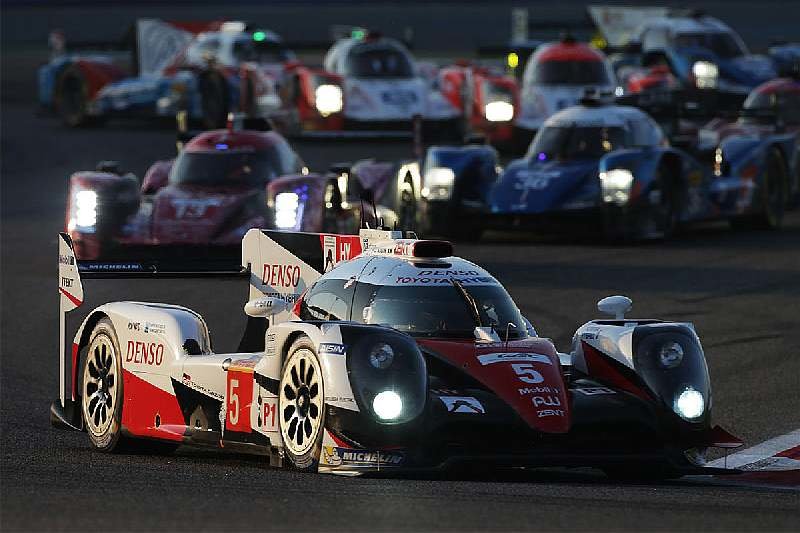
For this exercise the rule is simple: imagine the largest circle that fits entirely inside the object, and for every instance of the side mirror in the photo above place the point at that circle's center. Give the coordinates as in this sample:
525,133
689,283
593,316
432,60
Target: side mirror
265,306
615,305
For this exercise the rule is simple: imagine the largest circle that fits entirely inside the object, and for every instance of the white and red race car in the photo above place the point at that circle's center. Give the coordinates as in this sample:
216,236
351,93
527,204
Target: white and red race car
368,84
380,351
557,76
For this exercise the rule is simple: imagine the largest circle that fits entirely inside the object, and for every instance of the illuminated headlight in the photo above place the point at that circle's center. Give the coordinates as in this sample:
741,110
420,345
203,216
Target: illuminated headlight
438,183
706,74
387,405
499,111
616,185
689,404
84,215
328,99
381,356
671,354
287,205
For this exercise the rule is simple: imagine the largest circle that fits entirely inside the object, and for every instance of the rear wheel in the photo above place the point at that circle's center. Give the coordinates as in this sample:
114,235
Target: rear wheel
101,389
772,197
302,407
72,98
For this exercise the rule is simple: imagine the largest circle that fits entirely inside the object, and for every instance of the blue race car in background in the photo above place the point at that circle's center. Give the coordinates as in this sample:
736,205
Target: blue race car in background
701,51
599,165
199,67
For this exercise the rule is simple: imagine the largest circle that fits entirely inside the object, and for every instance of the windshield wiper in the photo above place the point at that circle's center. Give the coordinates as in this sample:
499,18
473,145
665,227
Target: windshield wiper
471,302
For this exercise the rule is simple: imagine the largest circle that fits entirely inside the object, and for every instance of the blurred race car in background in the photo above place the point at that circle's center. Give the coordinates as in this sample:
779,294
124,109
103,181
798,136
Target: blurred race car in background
557,76
380,352
769,120
369,83
698,50
193,66
204,200
600,165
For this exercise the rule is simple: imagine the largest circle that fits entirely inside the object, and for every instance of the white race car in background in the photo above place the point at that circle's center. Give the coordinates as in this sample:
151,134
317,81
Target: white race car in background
557,76
369,83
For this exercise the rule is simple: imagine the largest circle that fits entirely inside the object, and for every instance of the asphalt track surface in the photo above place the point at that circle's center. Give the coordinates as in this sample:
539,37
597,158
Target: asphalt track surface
740,289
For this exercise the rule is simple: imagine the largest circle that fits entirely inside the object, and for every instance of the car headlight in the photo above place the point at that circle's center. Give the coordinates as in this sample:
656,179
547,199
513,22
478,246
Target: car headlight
287,209
616,185
387,405
328,99
705,74
689,404
671,354
438,183
84,215
499,111
381,356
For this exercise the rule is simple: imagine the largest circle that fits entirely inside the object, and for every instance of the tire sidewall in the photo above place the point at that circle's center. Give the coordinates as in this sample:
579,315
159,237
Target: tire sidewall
108,440
308,461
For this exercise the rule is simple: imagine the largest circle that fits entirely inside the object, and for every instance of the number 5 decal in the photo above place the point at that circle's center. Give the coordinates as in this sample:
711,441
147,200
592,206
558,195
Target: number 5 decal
526,373
238,401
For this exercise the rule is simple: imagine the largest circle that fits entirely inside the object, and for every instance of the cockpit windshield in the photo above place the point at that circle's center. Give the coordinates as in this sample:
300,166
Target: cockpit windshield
565,72
442,310
575,142
722,44
378,62
224,168
260,51
766,106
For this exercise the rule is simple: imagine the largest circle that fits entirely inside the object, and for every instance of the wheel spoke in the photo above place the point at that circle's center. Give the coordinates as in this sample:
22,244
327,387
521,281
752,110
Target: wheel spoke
307,427
310,376
300,436
110,380
303,371
293,427
288,392
288,411
313,391
313,410
295,379
93,371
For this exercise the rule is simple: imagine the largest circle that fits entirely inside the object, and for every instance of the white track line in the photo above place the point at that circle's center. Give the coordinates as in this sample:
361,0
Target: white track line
761,452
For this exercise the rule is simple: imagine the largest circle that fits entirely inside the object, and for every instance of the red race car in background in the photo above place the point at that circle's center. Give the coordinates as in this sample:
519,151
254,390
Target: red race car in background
204,199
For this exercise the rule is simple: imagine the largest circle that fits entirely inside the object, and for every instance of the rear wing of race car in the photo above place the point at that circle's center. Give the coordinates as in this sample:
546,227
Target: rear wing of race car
71,272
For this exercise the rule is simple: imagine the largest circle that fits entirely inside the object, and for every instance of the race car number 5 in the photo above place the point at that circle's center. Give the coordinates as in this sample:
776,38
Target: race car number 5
526,373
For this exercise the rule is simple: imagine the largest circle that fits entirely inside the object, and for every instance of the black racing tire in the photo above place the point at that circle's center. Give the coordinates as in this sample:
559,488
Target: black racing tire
301,406
101,388
407,209
213,100
772,197
72,98
667,212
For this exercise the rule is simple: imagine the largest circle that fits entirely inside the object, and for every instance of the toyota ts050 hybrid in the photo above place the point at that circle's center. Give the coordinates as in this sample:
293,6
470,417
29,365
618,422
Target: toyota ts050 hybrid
379,351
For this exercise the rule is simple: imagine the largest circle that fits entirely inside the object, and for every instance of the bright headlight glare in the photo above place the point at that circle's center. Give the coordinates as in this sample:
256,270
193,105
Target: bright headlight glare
387,405
705,74
85,211
616,185
286,207
671,354
438,183
381,356
689,404
499,111
328,99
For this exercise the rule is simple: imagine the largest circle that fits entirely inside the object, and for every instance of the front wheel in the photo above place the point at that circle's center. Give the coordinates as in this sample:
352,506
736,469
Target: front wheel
302,406
772,195
101,389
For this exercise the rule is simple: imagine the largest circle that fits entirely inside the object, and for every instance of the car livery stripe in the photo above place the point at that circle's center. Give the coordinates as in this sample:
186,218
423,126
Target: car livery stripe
71,297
